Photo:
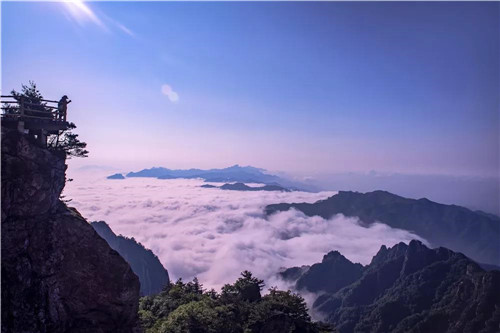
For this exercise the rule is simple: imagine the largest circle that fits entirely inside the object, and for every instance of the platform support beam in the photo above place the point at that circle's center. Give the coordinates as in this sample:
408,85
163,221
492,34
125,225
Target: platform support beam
20,126
42,137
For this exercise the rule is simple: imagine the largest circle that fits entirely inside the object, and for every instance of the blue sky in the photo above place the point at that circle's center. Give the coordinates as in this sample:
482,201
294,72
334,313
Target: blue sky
299,87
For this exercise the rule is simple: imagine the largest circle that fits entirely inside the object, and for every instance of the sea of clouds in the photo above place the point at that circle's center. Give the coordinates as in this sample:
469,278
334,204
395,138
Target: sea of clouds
215,234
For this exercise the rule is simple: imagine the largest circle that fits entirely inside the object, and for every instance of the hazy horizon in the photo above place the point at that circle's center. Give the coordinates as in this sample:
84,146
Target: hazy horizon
473,192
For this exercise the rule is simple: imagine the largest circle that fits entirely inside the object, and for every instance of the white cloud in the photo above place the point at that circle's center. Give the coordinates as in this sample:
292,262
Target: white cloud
216,234
169,92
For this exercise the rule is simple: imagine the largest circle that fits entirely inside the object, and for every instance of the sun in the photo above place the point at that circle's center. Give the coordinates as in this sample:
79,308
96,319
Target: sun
81,12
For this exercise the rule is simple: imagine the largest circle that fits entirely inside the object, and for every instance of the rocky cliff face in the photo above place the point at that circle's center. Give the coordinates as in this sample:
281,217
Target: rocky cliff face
58,275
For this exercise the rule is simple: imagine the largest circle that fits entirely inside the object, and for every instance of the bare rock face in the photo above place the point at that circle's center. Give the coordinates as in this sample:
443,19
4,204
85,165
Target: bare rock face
58,274
32,177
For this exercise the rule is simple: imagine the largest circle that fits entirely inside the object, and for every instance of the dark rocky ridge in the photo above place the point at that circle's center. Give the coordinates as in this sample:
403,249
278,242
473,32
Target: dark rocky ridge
474,233
411,288
58,274
153,277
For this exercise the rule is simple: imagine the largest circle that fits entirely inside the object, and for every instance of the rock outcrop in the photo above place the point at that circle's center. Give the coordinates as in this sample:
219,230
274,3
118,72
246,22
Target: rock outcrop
333,273
145,264
58,274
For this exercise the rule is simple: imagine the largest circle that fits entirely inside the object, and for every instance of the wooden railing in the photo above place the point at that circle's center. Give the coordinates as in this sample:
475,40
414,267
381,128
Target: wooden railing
20,107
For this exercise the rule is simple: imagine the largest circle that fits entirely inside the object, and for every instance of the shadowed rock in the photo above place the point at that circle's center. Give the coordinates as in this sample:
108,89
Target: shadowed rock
58,274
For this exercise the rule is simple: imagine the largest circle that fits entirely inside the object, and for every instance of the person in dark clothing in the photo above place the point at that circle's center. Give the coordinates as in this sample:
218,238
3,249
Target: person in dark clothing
62,107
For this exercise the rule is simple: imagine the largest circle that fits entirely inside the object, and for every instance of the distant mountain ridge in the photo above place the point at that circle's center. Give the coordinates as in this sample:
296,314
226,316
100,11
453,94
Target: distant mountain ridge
474,233
153,277
116,176
244,187
406,288
235,173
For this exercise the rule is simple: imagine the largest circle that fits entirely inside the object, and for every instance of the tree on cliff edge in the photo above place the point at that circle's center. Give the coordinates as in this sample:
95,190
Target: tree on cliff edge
65,141
68,142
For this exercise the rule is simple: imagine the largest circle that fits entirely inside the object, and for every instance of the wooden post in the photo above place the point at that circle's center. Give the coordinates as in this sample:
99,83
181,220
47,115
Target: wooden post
21,106
20,126
20,122
42,137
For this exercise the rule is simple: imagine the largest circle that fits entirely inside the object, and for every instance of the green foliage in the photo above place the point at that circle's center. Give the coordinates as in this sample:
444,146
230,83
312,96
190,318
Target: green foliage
68,143
285,302
202,316
30,94
240,307
246,288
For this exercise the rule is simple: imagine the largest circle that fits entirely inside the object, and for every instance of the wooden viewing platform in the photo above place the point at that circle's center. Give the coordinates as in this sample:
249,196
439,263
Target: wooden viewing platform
40,119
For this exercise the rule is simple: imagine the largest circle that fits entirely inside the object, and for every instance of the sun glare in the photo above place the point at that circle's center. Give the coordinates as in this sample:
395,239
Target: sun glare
81,12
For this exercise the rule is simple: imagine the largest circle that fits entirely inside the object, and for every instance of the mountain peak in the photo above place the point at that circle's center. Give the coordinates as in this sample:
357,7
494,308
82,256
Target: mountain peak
333,256
335,271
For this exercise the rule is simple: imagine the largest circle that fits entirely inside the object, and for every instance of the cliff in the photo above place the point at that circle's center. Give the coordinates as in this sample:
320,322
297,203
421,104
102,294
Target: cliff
58,274
145,264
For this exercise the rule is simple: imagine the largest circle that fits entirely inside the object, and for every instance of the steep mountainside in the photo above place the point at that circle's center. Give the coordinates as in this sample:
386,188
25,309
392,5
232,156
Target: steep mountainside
58,274
474,233
152,275
411,288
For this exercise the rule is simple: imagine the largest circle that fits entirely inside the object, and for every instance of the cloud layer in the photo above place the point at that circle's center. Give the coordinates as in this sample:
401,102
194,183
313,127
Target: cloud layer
216,234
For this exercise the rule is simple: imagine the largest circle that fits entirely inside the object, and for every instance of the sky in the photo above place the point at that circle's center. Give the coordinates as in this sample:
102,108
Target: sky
292,86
